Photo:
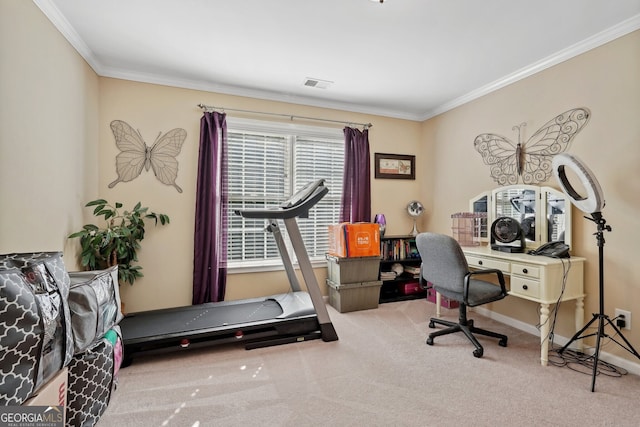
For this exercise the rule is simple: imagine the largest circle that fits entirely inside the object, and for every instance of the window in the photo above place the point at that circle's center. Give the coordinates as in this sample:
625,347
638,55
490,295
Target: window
268,162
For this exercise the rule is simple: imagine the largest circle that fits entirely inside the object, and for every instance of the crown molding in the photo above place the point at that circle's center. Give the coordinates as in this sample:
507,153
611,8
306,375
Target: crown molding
597,40
61,23
206,86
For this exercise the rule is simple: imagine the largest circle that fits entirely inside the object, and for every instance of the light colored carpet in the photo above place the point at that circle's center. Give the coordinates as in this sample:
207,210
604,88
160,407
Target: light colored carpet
380,373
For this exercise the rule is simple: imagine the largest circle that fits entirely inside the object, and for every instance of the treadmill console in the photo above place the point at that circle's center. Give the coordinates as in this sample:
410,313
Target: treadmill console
297,205
303,194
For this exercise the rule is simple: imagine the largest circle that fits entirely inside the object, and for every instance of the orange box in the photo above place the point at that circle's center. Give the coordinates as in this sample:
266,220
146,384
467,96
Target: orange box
354,240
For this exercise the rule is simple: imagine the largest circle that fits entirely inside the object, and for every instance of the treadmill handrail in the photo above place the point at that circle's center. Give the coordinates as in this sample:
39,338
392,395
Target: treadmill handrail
299,209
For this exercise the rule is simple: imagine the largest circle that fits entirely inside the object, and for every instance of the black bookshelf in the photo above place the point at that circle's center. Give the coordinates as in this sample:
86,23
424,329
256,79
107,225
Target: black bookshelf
400,249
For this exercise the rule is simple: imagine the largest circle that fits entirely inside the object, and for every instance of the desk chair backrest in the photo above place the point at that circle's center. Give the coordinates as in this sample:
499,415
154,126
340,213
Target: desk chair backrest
443,262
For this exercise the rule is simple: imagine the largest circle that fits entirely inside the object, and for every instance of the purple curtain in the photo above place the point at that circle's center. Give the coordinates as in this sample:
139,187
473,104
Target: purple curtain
210,240
356,183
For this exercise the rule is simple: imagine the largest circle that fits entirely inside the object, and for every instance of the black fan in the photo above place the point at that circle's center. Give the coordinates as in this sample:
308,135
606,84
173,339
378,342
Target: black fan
507,235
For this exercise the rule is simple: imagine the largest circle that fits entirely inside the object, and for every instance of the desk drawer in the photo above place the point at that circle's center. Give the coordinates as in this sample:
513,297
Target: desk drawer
525,287
483,263
525,270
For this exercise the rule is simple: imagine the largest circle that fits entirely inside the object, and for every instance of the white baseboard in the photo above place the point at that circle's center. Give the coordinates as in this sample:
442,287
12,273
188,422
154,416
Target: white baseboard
618,361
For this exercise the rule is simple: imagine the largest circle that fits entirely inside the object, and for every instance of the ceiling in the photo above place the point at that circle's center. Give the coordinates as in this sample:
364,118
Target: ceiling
409,59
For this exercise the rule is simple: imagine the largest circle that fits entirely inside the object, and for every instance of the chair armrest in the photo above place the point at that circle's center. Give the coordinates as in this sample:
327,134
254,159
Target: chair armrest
487,271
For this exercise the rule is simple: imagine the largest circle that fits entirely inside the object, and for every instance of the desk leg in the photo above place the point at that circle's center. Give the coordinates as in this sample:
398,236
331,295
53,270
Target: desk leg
544,334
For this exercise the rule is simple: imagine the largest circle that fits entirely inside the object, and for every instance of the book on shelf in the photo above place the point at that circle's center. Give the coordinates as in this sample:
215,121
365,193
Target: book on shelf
412,269
387,275
399,249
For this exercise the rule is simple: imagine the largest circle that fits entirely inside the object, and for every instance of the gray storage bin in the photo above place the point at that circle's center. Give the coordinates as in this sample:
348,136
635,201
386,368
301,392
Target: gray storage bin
351,270
346,297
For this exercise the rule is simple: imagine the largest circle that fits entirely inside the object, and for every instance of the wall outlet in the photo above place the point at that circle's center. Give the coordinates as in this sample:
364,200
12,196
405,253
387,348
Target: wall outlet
627,317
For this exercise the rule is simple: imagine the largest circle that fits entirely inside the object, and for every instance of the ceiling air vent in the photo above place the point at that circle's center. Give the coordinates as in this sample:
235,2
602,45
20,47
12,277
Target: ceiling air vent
317,83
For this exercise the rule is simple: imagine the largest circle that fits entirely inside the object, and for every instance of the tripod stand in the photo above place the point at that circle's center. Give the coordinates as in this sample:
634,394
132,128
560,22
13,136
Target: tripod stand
600,317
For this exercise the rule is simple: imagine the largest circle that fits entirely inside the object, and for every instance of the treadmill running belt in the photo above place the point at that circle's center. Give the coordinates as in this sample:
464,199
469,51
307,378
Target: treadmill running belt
197,318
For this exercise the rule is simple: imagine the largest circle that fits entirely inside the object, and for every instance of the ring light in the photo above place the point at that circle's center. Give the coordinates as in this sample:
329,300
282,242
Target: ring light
594,200
592,203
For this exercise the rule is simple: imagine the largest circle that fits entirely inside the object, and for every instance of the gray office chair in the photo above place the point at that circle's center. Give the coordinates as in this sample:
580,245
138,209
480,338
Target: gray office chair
445,267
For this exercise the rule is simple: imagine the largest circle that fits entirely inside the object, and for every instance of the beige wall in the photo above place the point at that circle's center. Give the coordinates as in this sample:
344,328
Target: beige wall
167,254
48,133
57,152
605,80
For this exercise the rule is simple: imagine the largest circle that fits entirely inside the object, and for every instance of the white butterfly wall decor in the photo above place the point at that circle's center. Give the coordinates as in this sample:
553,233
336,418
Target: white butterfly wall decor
136,155
532,159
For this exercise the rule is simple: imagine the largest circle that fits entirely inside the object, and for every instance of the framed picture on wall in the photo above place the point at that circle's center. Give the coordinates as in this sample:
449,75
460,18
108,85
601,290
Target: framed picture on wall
395,166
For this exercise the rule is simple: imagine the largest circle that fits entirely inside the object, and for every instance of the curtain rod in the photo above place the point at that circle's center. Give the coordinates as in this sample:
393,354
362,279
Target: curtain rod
290,116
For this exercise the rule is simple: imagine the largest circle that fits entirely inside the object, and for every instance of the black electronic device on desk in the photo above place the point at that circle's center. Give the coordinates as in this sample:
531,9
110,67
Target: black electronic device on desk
507,235
258,322
557,249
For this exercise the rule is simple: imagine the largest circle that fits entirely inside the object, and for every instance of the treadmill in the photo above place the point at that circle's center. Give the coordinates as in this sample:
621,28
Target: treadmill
257,322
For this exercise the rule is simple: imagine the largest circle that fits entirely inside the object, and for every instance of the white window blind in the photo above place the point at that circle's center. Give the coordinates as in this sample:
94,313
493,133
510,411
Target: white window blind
267,164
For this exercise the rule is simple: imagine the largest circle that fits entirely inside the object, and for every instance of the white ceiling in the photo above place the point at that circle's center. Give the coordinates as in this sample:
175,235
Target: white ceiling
408,59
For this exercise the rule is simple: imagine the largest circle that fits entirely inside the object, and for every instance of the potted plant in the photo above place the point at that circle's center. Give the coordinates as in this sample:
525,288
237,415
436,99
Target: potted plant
118,242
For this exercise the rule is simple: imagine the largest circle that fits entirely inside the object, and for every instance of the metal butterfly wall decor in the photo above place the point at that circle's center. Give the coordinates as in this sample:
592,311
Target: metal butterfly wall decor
136,155
532,159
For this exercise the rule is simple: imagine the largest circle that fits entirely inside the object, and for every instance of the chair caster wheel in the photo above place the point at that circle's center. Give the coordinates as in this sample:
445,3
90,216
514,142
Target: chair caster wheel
478,352
429,341
432,325
502,343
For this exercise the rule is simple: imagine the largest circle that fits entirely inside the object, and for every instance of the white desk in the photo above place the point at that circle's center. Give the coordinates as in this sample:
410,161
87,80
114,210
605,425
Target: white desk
535,278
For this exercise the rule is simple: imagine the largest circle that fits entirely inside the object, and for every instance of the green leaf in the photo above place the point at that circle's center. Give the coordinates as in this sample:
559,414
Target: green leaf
120,238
